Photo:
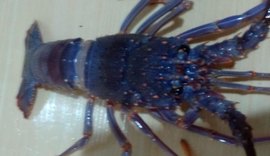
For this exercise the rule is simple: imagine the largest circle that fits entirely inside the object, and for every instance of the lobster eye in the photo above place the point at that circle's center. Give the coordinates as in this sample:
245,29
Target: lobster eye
184,48
177,92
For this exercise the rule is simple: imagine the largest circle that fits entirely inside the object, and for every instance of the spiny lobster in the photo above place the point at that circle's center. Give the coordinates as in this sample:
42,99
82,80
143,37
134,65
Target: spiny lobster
156,73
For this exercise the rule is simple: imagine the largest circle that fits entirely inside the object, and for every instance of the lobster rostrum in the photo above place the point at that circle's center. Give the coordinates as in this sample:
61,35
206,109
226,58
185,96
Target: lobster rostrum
156,73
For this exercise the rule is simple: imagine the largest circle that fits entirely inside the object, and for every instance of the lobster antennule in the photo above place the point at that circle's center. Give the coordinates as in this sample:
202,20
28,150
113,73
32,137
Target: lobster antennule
28,88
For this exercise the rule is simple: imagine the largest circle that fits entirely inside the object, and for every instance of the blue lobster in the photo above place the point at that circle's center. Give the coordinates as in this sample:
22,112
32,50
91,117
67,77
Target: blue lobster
156,73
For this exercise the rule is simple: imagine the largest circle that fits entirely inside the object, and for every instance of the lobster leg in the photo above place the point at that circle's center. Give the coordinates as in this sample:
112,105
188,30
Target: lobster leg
169,6
191,115
242,87
135,12
221,137
174,118
123,141
87,131
139,122
225,110
240,74
227,23
186,5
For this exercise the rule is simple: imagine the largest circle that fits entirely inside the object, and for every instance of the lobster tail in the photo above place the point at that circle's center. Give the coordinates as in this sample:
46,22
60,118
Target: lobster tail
33,38
27,92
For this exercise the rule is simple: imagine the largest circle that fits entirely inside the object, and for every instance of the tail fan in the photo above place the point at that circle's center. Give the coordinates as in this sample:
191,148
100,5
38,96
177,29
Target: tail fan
28,88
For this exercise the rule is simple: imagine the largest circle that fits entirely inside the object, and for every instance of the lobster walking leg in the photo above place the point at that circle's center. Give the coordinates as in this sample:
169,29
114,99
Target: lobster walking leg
191,115
224,109
135,12
248,88
87,131
121,138
171,117
138,121
229,22
186,5
169,6
221,137
240,74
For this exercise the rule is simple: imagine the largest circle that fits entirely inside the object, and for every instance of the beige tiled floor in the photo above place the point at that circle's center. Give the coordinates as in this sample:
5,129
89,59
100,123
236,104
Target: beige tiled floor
56,121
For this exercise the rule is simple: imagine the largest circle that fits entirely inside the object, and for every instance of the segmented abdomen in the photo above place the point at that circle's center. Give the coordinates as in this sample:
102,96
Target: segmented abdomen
60,64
